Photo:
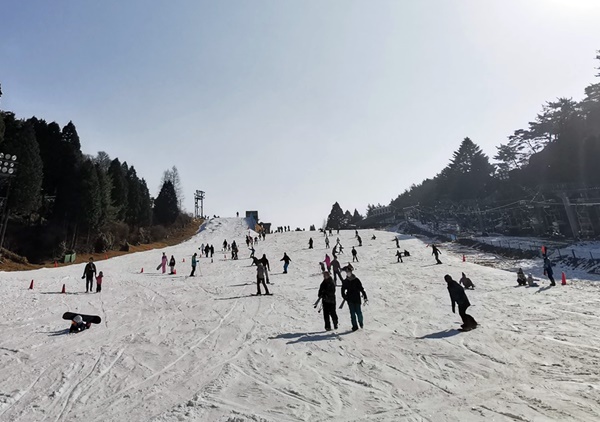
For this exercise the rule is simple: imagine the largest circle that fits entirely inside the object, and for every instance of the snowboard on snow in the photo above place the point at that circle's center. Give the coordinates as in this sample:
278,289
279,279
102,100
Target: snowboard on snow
94,319
263,294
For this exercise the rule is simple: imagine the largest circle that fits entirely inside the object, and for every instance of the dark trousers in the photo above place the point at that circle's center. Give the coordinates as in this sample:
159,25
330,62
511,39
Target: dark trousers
258,282
468,320
399,259
354,258
355,313
337,273
550,275
329,314
89,282
98,288
285,267
437,260
193,270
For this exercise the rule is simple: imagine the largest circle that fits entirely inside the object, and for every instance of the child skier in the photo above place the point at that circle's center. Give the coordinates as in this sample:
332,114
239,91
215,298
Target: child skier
99,282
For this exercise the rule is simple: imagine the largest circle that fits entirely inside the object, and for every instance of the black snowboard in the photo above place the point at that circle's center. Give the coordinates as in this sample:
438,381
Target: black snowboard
94,319
264,294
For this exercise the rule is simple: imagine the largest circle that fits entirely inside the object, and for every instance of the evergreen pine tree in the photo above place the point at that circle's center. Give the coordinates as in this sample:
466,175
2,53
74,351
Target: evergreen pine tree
165,205
118,191
336,217
90,206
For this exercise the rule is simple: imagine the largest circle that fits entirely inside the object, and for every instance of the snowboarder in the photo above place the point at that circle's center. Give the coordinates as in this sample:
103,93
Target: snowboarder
194,262
359,240
99,282
260,278
465,281
352,289
336,269
326,242
327,296
286,261
88,273
310,243
435,251
163,263
327,262
172,264
548,271
267,267
521,280
354,257
399,256
78,325
458,296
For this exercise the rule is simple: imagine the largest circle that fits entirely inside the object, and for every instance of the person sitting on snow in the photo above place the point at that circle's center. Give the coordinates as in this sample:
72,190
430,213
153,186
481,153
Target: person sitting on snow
521,278
78,325
530,281
465,281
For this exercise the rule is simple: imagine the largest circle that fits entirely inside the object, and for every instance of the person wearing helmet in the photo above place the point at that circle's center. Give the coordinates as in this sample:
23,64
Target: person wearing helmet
78,325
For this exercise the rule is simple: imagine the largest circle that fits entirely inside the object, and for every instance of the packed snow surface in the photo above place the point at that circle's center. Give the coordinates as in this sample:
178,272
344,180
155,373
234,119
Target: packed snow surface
179,348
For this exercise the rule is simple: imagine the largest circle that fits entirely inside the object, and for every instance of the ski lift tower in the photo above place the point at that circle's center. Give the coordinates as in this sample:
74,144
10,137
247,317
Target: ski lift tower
199,196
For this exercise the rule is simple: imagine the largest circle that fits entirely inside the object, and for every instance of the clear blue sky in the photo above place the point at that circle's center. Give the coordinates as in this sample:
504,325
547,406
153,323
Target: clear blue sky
289,106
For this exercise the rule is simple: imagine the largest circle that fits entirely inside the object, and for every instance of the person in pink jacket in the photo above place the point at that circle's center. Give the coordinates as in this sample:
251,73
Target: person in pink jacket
327,262
163,263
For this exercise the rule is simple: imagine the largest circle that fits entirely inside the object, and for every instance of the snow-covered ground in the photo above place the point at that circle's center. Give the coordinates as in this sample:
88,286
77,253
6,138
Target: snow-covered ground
176,348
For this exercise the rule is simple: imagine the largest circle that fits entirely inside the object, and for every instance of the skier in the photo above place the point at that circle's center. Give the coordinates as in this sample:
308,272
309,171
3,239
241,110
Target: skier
260,278
327,296
399,255
548,270
336,269
78,325
286,261
266,266
327,262
354,257
310,243
88,273
326,242
99,282
465,281
458,296
435,251
359,240
352,289
193,264
172,264
521,280
530,281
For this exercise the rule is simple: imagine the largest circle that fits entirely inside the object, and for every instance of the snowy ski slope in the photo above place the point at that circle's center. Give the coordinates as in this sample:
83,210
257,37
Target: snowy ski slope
175,348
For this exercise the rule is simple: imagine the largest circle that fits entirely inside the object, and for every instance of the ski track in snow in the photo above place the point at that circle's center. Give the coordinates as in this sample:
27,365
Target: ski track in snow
174,347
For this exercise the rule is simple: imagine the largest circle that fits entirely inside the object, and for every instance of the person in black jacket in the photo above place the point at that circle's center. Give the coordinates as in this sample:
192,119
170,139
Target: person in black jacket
88,273
459,297
286,261
172,264
310,243
327,295
352,289
265,263
435,251
354,257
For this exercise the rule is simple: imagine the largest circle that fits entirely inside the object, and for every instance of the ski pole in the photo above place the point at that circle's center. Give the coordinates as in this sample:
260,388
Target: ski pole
342,305
317,302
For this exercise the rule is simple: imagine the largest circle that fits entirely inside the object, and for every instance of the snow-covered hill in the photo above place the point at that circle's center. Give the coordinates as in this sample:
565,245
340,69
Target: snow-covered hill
174,348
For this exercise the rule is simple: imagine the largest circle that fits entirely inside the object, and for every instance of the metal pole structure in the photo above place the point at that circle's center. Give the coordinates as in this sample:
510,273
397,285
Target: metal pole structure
199,196
5,217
